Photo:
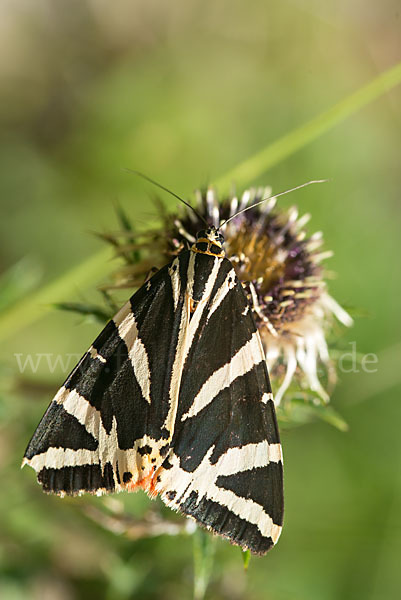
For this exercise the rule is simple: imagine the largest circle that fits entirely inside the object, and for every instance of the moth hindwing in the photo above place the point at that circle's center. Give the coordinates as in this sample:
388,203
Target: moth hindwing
174,397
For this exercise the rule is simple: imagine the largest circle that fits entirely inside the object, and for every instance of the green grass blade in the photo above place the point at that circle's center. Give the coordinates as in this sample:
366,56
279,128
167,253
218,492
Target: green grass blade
36,304
298,138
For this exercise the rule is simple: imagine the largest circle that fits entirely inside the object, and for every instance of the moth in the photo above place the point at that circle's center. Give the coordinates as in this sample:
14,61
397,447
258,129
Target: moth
174,398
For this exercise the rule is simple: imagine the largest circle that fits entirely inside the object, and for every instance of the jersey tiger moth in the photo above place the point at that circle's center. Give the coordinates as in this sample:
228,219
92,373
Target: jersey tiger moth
174,397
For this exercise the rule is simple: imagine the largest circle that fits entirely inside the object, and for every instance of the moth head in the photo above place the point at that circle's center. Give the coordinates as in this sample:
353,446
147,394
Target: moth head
212,235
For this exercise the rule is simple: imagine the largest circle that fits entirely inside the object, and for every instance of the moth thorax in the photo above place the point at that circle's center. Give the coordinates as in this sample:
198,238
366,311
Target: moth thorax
209,241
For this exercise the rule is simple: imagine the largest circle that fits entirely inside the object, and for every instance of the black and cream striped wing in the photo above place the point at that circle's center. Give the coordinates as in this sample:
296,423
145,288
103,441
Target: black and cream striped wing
107,428
224,467
174,397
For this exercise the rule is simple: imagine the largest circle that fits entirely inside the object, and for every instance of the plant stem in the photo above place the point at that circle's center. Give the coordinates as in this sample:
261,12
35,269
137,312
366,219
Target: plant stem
204,550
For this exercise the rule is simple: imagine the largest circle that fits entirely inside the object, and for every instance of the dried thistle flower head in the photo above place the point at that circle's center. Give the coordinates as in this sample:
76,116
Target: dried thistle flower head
280,267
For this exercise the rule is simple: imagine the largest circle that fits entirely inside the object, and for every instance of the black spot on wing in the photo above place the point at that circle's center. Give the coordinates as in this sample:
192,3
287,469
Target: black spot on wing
167,464
72,480
144,450
164,449
58,429
236,417
263,485
118,474
224,522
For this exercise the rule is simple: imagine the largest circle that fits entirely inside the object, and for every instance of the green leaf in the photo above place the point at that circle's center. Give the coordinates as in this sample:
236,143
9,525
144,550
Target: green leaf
123,218
134,256
108,299
332,417
92,310
246,558
297,412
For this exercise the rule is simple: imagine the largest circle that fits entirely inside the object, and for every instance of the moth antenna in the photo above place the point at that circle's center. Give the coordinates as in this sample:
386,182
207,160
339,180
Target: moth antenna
162,187
272,196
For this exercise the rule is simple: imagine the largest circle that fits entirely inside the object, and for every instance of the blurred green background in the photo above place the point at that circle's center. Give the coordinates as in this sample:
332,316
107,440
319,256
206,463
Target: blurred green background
185,91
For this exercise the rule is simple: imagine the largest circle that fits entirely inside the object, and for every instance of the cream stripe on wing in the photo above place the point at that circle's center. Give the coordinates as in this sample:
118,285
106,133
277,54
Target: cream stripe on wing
235,460
266,397
95,354
122,313
57,458
186,334
247,509
176,372
191,273
128,331
228,285
108,452
242,362
196,317
175,281
78,407
203,482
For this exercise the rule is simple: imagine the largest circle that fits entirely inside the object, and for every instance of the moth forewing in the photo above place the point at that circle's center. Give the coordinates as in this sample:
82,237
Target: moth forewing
174,397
